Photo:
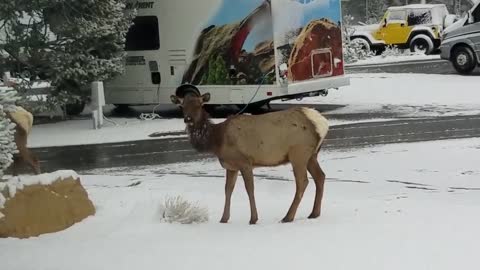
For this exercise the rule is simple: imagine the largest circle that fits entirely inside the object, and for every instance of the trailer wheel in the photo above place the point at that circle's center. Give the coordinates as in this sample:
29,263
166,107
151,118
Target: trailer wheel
76,108
122,107
463,60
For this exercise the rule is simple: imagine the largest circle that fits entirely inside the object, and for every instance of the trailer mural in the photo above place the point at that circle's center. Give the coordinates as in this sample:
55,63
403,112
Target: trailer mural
308,38
236,46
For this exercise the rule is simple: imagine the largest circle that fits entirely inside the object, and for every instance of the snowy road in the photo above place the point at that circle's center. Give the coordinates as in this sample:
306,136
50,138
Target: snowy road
167,151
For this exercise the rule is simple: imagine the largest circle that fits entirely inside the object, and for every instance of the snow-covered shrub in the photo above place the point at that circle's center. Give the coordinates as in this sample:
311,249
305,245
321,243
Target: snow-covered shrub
352,50
179,210
7,130
393,51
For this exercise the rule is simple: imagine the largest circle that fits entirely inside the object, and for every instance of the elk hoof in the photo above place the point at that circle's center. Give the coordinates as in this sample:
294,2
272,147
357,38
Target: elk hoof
253,221
314,215
287,219
224,220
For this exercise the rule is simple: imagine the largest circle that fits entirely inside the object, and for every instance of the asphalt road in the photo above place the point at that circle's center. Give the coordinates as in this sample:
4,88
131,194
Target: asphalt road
165,151
426,67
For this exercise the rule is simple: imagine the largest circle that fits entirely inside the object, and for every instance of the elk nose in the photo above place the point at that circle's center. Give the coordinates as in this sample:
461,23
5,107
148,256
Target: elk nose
187,119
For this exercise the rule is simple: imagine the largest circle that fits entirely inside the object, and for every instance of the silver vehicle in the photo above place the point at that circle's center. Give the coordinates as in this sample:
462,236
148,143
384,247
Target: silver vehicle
461,42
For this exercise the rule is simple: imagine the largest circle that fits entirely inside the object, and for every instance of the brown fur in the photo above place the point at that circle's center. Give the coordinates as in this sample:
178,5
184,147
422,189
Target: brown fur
23,124
245,142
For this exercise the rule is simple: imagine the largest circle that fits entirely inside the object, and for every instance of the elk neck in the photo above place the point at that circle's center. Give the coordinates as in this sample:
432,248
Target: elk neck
203,134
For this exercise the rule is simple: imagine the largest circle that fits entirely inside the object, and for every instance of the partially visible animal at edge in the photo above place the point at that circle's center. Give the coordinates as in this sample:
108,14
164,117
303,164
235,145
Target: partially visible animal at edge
23,120
244,142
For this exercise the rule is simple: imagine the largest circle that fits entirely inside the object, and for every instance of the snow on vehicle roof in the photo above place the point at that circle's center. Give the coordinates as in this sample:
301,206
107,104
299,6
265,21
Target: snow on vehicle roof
417,6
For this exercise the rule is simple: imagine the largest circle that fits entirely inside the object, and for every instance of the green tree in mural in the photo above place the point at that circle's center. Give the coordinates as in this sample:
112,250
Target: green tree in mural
217,71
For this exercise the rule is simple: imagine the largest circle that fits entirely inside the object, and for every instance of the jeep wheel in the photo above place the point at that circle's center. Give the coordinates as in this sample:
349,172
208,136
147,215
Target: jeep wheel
463,60
421,44
363,43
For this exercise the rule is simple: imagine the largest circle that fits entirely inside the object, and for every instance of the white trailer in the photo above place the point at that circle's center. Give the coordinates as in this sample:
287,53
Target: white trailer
250,51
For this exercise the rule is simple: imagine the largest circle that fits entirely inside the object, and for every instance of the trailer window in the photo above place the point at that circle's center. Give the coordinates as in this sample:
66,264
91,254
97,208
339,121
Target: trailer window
143,34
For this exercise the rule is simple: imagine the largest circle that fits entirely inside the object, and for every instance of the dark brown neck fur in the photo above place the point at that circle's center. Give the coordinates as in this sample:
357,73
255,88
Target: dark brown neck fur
204,135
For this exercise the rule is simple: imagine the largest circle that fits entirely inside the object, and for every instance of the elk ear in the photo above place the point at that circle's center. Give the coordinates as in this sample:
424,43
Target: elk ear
206,97
175,100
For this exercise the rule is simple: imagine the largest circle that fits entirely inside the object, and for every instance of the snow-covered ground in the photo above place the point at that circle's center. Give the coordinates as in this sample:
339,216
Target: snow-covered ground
81,132
394,59
402,206
406,95
409,95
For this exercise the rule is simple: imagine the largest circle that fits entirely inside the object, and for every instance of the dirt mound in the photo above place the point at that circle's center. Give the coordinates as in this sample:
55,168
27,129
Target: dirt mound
34,205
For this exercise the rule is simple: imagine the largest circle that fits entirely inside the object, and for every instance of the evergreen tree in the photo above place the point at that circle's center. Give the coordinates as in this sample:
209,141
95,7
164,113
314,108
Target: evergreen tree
375,10
68,42
7,130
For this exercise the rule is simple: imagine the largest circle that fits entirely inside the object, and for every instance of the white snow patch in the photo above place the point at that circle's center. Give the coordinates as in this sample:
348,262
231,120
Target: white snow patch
19,182
81,132
379,59
381,205
410,94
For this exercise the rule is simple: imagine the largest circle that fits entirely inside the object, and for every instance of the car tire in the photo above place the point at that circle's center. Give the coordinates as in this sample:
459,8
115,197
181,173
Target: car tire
463,60
421,43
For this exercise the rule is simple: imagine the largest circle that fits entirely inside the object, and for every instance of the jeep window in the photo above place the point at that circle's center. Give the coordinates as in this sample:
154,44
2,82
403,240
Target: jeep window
143,34
419,16
396,15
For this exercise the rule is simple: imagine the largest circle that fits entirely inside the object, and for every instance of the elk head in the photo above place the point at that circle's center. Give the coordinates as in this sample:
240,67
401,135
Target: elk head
188,98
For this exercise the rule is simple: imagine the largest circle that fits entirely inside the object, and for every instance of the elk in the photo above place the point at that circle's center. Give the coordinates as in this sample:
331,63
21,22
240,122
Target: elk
23,120
244,142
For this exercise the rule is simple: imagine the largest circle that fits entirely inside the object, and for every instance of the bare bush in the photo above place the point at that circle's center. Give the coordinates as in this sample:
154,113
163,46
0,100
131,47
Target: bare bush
393,51
179,210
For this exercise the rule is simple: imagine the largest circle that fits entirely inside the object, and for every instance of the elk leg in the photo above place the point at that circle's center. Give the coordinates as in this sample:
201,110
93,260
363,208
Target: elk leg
16,163
301,182
247,175
29,158
229,185
319,178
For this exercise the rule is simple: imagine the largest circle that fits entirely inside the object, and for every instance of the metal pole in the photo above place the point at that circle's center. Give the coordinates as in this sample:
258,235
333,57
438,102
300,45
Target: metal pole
366,11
